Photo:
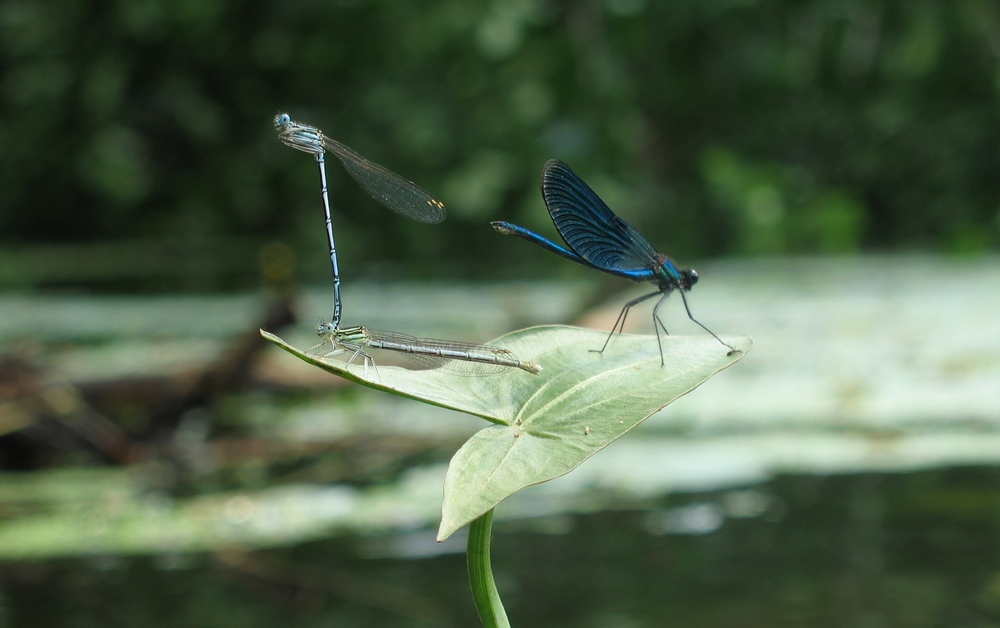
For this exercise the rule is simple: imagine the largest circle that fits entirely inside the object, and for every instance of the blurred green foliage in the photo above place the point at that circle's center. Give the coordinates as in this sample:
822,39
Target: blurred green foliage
716,127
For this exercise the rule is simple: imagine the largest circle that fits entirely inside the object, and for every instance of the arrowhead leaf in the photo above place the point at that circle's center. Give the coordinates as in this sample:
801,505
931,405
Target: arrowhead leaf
545,425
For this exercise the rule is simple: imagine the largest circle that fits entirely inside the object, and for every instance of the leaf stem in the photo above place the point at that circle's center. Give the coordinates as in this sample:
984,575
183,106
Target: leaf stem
484,589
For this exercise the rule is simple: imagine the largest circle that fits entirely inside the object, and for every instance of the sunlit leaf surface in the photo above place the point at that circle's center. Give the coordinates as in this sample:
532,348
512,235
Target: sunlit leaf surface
547,424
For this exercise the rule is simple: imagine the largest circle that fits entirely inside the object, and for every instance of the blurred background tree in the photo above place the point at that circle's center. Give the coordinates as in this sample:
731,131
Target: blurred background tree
137,137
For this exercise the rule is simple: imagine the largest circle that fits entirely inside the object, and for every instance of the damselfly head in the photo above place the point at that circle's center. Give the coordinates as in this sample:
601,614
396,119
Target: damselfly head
325,329
282,120
689,277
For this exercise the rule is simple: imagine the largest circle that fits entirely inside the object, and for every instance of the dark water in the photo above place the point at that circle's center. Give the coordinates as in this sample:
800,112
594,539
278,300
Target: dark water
919,549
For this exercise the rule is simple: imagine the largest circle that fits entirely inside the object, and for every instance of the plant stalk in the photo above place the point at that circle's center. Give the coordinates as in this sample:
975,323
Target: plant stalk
484,589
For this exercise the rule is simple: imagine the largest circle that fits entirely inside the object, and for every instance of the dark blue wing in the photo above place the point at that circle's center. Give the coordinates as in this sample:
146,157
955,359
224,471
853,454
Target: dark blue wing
590,228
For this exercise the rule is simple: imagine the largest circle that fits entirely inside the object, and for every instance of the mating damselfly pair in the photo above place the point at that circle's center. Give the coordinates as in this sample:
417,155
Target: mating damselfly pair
407,199
595,237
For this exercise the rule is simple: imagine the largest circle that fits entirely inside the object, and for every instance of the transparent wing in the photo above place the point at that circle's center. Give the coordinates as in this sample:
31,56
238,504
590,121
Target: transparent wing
388,188
461,358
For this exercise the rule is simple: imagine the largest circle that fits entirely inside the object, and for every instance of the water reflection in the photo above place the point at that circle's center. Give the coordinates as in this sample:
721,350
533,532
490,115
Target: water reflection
913,549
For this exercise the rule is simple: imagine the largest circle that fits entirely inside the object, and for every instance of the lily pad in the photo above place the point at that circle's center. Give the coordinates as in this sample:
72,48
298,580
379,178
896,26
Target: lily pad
545,425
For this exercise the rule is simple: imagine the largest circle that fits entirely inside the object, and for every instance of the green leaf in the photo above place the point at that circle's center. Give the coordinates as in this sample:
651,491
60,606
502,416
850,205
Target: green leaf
547,424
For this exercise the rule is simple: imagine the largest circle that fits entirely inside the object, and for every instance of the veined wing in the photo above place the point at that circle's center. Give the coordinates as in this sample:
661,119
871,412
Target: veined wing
462,358
388,188
589,226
